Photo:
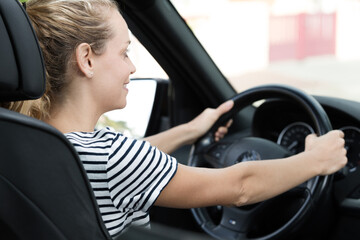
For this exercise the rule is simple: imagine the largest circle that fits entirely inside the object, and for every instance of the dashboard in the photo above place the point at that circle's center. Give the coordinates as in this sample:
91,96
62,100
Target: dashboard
288,125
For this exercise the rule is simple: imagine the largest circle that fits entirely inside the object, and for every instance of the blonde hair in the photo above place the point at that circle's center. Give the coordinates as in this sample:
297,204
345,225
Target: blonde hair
61,25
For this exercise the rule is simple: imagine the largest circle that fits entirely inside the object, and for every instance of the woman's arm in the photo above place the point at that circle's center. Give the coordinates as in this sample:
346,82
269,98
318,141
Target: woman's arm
170,140
254,181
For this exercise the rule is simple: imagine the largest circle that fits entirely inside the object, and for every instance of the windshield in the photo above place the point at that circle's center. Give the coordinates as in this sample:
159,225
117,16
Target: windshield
309,44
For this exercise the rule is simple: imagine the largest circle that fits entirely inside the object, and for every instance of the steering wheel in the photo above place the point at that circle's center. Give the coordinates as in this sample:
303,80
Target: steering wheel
273,218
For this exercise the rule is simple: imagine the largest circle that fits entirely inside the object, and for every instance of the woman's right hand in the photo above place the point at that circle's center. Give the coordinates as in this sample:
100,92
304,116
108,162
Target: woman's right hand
329,150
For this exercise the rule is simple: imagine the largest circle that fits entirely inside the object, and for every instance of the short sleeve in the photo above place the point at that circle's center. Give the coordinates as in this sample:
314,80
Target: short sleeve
137,173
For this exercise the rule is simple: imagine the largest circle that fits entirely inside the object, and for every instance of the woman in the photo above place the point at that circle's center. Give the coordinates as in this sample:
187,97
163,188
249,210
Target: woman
85,43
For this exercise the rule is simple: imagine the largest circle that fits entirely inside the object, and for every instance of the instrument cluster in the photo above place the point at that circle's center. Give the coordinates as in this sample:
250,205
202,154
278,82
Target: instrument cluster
293,137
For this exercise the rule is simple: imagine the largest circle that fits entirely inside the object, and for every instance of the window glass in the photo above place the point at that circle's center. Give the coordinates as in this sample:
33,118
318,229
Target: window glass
146,65
309,44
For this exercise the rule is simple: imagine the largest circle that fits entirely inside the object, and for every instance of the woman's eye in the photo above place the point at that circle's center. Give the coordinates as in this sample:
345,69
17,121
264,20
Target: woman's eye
126,53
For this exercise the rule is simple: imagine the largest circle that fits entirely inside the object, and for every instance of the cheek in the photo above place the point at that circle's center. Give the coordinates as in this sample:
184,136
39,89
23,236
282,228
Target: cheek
114,74
115,67
114,98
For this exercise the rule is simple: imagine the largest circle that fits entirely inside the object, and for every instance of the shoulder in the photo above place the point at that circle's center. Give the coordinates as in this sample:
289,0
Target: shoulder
97,141
105,140
102,135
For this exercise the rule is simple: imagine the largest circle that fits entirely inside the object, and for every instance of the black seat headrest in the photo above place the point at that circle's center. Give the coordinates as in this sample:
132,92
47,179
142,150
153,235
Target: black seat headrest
22,72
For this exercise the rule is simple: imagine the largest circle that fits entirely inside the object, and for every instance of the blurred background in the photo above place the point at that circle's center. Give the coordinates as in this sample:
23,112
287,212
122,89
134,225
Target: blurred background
310,44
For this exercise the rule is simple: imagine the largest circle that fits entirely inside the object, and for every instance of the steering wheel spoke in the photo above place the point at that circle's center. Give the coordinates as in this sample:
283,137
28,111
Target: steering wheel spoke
248,219
227,233
236,219
300,190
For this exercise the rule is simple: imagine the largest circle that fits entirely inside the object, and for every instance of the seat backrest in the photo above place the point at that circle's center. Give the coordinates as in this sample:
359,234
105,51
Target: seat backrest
44,190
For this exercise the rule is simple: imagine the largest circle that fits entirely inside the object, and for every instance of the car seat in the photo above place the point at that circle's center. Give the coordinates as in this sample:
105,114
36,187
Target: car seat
44,190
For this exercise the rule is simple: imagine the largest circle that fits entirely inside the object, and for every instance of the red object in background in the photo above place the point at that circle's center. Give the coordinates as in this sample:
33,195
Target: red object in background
301,36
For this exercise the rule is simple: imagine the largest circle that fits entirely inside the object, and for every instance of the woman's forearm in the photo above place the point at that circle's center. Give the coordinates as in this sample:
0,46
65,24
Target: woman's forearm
261,180
172,139
240,184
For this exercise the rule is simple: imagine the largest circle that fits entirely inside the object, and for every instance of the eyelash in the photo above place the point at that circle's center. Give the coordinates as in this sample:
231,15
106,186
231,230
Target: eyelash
126,53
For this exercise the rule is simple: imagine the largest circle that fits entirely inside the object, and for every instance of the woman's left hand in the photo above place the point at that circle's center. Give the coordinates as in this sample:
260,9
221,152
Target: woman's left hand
170,140
203,122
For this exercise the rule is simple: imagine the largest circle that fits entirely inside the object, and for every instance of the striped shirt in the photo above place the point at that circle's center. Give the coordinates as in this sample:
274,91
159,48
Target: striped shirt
126,175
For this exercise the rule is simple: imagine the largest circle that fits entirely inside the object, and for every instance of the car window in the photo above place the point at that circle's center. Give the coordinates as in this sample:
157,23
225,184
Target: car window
146,65
133,120
309,44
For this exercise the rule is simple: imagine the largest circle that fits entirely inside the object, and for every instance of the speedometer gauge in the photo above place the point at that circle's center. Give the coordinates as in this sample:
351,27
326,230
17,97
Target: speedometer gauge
293,136
352,145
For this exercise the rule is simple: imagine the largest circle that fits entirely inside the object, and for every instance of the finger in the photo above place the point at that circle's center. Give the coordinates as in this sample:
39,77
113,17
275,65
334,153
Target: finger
337,133
310,138
229,123
341,133
220,134
225,107
222,130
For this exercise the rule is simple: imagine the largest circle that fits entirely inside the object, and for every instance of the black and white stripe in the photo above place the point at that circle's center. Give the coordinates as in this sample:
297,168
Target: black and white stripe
126,175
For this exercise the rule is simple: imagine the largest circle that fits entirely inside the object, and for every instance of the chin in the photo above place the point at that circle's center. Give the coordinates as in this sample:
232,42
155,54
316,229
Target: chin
122,105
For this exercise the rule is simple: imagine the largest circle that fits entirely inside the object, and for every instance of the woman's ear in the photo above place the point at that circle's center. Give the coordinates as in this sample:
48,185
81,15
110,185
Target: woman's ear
83,56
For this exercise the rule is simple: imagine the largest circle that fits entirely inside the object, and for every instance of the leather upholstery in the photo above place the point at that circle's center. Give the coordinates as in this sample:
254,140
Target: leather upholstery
21,64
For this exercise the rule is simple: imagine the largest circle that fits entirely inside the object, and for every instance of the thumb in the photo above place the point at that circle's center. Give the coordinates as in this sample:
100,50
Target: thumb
225,107
309,140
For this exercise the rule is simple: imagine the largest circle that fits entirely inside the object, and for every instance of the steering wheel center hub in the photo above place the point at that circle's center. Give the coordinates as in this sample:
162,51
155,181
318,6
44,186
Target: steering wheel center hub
250,155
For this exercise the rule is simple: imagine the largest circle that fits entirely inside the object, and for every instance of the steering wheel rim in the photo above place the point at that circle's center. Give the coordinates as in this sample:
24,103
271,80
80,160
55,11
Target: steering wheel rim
319,185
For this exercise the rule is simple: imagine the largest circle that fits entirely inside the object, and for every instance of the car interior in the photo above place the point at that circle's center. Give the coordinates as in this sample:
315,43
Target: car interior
44,191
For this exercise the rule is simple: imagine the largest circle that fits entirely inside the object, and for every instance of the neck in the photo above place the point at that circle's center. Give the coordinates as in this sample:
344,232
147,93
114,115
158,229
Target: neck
74,115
